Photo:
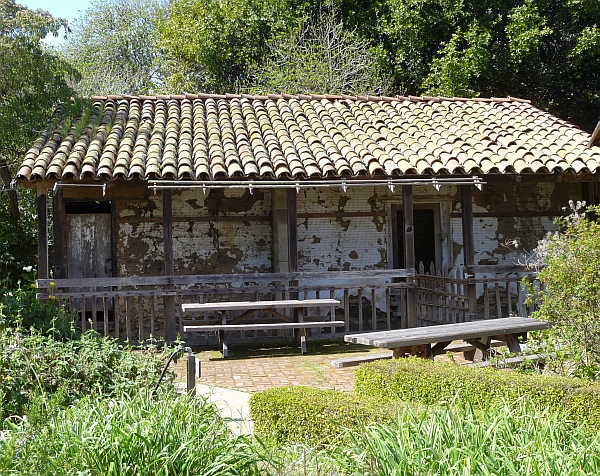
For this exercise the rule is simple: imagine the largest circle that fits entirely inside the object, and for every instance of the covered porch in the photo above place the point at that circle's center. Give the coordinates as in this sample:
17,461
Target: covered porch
135,308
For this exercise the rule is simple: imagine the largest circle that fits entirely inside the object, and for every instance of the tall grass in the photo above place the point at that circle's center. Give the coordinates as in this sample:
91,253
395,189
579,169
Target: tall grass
506,440
137,435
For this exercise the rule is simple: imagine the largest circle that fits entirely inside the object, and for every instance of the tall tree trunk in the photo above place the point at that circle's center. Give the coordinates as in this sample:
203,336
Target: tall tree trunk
13,200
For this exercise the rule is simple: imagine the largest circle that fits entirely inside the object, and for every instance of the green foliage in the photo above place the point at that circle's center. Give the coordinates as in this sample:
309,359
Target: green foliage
141,435
210,43
319,55
112,45
32,78
32,364
546,51
425,382
311,416
506,439
570,300
15,258
19,308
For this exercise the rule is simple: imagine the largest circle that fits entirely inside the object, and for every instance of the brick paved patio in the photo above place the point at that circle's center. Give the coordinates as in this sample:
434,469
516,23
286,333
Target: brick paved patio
252,370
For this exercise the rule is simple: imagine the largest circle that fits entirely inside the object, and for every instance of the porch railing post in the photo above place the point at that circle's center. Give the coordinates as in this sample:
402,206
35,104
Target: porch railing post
468,244
169,299
42,229
409,252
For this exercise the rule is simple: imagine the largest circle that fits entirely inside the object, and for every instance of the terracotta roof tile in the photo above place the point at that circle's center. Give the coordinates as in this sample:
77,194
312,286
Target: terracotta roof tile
201,136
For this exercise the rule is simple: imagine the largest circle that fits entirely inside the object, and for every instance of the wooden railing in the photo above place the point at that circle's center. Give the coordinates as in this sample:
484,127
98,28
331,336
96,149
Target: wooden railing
133,308
444,296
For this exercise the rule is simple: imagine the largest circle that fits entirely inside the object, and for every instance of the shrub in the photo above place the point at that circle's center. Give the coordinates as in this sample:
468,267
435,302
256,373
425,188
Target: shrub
426,382
568,265
19,308
286,415
33,364
141,435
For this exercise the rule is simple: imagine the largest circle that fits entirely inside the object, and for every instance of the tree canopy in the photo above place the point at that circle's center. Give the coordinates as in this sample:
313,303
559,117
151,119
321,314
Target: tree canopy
112,45
32,78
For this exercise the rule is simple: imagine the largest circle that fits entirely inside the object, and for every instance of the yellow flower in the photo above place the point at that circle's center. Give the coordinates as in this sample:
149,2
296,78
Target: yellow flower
8,378
52,284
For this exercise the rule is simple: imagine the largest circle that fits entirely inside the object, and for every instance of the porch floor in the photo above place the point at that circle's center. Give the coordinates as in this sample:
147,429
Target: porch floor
252,370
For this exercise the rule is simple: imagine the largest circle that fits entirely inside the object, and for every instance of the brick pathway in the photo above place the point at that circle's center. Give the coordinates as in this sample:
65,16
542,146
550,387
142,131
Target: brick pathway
252,370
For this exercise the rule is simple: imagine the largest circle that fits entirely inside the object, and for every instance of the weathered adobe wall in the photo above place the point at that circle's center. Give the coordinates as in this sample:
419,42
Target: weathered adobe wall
523,212
231,231
353,230
224,231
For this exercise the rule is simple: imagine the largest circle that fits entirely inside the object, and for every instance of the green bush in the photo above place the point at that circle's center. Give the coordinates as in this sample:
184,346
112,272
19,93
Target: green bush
34,364
19,308
286,415
568,298
425,382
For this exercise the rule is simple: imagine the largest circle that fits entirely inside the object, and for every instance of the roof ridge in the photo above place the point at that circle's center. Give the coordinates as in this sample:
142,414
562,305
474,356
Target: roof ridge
301,97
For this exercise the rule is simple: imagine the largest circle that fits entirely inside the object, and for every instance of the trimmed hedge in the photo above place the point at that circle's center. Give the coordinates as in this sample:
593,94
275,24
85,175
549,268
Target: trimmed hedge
425,382
285,415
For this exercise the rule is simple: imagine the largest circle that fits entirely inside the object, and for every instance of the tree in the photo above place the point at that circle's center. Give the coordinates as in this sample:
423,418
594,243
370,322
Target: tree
318,55
210,43
32,81
112,45
544,50
32,78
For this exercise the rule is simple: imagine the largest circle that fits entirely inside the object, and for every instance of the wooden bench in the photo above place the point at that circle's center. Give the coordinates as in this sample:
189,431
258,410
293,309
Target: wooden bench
433,340
250,307
357,360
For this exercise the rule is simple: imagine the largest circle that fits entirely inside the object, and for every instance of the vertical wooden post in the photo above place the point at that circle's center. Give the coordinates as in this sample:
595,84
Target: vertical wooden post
42,229
169,300
466,197
292,223
292,233
409,252
59,223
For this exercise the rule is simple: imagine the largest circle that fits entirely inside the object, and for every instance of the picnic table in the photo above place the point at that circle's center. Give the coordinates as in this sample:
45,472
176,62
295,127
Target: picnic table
433,340
248,308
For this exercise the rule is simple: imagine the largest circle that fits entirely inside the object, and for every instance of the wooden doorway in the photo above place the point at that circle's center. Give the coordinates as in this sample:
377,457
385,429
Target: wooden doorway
426,219
88,233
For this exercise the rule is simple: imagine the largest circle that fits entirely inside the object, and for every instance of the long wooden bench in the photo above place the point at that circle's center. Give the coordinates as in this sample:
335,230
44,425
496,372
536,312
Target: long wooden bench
433,340
250,307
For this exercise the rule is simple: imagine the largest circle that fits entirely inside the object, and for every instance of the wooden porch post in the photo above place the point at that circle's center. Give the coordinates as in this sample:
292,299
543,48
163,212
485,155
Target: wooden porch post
169,300
292,227
59,223
409,252
466,197
42,230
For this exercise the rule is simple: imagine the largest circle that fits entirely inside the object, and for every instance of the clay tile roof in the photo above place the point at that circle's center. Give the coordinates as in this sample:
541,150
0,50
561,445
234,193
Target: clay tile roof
208,136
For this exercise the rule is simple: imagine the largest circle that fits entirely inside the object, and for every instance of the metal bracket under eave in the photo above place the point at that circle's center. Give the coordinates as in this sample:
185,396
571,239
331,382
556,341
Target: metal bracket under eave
58,184
345,184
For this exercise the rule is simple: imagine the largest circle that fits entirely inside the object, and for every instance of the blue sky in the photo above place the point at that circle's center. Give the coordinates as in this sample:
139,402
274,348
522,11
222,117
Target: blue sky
68,9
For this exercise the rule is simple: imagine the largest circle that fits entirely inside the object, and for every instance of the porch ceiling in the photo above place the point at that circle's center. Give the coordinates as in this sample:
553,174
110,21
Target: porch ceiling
221,137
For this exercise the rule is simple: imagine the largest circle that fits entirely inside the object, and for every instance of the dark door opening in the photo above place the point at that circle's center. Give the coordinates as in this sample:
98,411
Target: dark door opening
425,246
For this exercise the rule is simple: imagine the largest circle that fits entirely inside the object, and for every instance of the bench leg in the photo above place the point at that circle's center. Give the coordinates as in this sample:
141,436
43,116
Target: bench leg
302,331
482,349
222,338
513,343
303,340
